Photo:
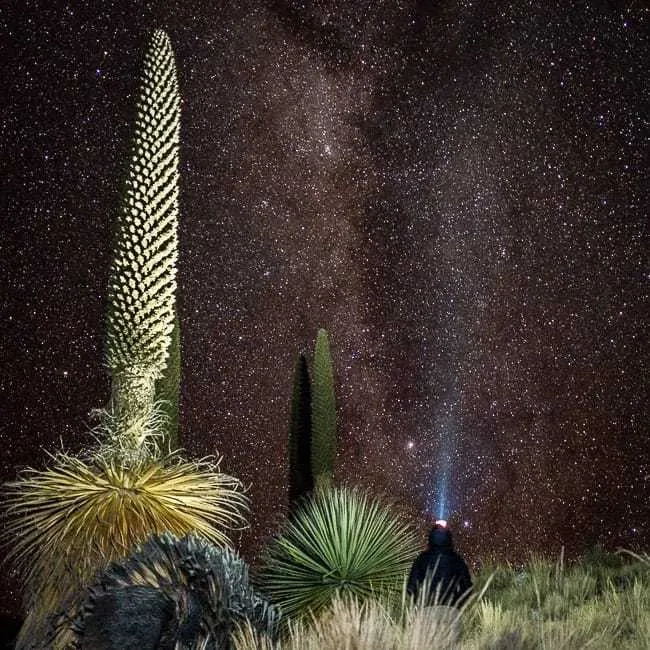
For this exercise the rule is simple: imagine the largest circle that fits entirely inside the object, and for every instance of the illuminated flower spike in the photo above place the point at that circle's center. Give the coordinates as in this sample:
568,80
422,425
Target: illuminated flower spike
72,519
143,274
142,281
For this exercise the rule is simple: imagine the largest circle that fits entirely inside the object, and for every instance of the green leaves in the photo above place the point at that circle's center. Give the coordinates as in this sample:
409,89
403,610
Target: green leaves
339,541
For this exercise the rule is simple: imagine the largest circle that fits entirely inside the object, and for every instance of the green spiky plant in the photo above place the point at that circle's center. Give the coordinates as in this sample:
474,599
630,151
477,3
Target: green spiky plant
142,280
340,541
71,519
323,413
301,480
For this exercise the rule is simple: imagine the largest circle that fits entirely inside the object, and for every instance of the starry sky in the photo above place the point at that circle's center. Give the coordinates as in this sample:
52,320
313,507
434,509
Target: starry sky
455,190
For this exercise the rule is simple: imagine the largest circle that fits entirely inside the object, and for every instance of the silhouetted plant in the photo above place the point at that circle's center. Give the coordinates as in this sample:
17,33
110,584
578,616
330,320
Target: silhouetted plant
301,481
323,412
339,541
167,392
172,591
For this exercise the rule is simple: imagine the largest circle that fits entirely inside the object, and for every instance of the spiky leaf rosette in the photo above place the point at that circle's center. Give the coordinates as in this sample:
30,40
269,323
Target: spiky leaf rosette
71,519
142,284
323,411
339,541
186,591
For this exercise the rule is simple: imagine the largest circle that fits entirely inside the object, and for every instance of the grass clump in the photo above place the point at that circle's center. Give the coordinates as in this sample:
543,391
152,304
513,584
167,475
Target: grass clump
542,605
359,624
551,605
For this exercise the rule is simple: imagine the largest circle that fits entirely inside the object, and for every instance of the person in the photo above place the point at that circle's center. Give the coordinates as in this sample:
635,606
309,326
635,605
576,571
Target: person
440,581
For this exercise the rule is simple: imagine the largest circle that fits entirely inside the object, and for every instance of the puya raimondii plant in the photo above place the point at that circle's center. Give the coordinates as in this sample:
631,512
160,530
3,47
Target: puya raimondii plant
323,413
142,281
71,519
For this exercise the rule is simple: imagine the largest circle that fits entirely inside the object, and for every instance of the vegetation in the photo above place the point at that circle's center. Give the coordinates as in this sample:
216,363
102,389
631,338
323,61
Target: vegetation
142,282
186,591
71,519
600,602
167,393
301,480
323,412
339,542
79,514
338,567
541,606
360,624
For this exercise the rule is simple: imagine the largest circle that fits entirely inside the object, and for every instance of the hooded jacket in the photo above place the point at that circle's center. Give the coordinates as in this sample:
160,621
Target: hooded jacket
441,570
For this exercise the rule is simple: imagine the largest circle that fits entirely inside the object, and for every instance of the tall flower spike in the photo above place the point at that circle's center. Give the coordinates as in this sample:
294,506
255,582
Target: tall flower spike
323,413
142,281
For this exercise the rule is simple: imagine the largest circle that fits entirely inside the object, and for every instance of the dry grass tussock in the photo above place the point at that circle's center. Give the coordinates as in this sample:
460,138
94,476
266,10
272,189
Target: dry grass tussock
351,624
544,606
600,605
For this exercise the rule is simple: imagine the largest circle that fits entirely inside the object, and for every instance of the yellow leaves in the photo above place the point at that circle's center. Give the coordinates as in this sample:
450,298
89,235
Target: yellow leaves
76,516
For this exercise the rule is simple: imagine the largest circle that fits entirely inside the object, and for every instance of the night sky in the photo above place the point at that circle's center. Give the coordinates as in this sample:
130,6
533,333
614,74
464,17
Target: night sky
455,190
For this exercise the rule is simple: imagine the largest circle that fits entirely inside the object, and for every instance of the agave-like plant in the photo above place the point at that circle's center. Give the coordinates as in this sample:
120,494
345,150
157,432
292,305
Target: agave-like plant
339,541
74,517
185,590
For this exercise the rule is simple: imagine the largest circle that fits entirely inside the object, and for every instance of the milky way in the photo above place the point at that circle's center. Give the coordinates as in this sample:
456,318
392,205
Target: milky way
457,191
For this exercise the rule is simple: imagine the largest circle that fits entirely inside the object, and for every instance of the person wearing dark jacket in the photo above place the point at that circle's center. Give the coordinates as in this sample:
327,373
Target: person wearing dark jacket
441,571
439,581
